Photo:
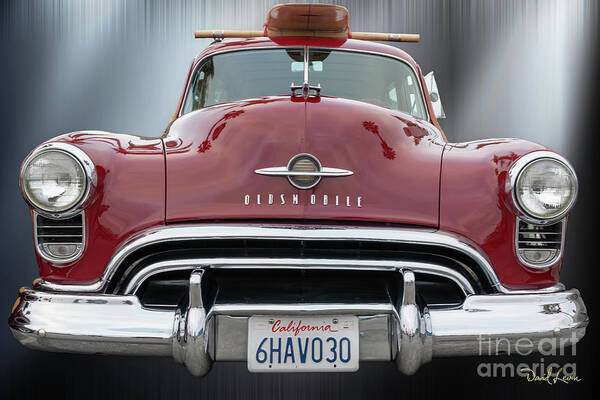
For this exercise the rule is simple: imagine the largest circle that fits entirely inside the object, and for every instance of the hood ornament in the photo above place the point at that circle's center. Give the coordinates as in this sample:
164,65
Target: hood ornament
304,171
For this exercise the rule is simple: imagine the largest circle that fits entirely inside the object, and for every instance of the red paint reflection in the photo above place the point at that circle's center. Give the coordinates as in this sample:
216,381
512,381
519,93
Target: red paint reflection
413,130
372,127
121,143
216,129
482,145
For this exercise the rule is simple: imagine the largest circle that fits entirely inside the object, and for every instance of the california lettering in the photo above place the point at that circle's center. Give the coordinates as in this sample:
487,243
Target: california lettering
298,327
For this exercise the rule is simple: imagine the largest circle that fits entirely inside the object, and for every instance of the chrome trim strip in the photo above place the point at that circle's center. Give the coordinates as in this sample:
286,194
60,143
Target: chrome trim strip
85,162
557,287
297,263
299,232
417,76
59,261
41,284
513,176
238,310
306,66
283,171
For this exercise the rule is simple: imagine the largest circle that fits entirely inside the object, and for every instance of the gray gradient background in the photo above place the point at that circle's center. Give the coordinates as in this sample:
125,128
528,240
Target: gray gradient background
524,69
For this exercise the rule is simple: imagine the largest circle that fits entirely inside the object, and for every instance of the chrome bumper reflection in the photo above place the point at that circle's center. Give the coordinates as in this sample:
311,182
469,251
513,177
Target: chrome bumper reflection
199,333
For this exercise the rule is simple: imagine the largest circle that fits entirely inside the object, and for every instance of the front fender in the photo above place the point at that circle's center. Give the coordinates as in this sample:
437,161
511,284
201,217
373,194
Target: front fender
474,204
129,197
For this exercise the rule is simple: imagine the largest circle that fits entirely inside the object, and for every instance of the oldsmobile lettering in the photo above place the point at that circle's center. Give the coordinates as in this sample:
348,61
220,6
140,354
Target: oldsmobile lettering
294,199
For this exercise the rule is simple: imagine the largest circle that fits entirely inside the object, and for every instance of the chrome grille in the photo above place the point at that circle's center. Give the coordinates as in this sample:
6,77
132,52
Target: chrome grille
280,286
539,245
60,240
353,251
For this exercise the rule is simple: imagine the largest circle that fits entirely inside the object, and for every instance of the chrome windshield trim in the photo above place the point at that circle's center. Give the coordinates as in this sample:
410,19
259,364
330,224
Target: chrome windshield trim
297,263
282,232
377,53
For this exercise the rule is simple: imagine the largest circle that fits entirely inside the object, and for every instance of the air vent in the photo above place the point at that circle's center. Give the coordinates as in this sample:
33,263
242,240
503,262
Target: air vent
164,290
60,240
539,246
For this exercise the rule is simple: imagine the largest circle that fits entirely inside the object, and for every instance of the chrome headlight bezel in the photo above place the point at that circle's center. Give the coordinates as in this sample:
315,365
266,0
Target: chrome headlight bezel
520,166
81,158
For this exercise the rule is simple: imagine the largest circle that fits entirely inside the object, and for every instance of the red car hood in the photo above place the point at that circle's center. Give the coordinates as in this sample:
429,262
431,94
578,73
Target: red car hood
212,155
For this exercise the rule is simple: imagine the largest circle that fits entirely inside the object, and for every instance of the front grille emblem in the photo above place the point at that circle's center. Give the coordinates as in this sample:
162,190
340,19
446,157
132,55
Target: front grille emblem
304,171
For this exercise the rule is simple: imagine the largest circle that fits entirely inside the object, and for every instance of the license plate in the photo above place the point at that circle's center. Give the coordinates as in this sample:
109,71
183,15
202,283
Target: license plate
300,343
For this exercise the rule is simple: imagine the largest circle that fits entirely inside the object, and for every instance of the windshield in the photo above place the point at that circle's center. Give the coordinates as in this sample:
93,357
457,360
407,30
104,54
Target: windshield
249,74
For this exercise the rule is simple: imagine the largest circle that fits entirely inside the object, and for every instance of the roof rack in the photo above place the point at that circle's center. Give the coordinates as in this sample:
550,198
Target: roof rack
313,20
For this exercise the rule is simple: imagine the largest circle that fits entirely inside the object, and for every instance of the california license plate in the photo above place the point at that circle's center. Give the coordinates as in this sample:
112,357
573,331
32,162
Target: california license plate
300,343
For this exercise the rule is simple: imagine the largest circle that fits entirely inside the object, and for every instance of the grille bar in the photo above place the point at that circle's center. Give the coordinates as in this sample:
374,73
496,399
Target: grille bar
539,246
59,240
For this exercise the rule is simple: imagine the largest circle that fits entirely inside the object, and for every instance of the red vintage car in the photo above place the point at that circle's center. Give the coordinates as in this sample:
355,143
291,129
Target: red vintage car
303,211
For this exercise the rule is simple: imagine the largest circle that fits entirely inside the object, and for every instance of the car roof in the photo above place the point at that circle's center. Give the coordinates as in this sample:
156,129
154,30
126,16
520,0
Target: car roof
265,42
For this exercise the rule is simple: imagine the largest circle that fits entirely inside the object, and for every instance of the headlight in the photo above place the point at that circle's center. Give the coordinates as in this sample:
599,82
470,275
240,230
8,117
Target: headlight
54,180
545,187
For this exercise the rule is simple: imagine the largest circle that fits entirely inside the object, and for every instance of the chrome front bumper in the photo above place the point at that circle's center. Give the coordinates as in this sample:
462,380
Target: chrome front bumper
199,333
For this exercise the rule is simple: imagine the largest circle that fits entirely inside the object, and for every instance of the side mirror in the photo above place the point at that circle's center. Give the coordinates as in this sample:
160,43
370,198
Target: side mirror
434,96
